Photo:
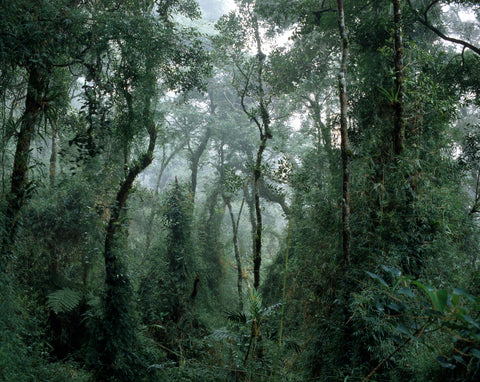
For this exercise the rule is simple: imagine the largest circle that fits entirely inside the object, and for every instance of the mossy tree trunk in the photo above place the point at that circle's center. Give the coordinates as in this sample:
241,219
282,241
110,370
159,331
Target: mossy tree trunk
262,120
19,189
118,326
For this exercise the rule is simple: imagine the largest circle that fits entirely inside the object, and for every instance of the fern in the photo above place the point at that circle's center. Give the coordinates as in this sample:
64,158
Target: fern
238,317
224,334
63,300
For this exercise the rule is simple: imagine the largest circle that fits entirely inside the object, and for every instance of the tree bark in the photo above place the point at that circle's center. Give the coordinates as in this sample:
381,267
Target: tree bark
399,127
120,201
118,330
121,198
197,153
257,255
195,160
236,249
53,157
34,106
345,155
263,124
251,213
345,146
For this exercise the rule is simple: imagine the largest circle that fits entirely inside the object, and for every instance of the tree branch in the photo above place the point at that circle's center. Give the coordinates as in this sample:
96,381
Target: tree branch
424,21
397,349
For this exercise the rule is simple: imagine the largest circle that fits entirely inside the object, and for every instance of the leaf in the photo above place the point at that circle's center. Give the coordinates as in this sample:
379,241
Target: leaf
239,317
224,334
379,306
395,272
440,298
397,339
470,320
464,293
397,308
444,363
64,300
404,330
293,345
459,360
378,278
407,291
455,299
420,286
476,353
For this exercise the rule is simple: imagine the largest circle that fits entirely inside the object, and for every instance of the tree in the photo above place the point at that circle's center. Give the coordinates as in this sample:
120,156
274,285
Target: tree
249,81
37,46
138,65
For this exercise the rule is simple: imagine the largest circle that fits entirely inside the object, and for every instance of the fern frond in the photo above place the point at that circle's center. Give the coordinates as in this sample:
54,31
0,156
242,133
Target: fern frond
239,317
291,344
271,309
224,334
64,300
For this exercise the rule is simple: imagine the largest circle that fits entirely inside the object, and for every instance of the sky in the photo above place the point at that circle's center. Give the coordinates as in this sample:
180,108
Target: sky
213,9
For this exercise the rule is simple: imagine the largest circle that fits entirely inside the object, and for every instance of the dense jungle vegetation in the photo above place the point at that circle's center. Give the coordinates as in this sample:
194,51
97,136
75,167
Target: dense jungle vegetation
265,190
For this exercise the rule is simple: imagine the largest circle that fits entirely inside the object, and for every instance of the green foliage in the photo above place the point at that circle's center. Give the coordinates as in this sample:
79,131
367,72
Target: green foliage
251,339
114,352
63,300
443,322
13,352
177,219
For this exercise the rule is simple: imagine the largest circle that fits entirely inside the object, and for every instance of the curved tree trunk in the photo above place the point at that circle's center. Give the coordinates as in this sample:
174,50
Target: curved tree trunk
118,331
195,161
122,196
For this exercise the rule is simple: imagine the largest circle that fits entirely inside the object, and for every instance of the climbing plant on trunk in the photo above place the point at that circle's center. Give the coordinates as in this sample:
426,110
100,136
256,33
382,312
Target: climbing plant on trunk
238,29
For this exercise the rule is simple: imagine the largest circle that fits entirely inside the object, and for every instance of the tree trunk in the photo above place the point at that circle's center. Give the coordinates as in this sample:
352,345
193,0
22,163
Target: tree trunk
257,255
345,155
399,126
345,147
263,124
165,161
19,187
53,156
236,249
195,160
118,331
120,200
195,155
251,214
